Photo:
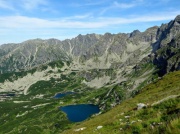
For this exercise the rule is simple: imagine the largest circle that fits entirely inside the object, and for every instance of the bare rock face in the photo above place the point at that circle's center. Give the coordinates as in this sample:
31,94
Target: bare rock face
167,56
177,19
169,31
29,54
135,33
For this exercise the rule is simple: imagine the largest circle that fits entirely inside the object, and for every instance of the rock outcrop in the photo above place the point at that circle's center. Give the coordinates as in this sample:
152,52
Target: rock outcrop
167,56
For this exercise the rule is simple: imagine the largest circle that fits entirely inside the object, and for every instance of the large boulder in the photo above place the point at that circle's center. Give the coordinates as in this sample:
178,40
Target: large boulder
141,105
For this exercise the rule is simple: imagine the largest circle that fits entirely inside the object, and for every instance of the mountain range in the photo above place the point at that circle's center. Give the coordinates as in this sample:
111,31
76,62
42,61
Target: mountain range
106,70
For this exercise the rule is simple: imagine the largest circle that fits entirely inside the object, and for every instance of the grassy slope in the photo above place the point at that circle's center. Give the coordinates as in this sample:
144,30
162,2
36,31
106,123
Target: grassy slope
49,119
42,119
165,113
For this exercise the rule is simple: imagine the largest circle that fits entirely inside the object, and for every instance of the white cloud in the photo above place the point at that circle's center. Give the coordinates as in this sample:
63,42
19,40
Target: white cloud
88,3
31,4
116,5
6,5
82,16
23,28
123,5
23,22
18,5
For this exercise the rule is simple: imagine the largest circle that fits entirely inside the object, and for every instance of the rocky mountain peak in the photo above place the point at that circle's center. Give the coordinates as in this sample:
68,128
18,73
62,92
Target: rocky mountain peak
134,33
177,19
167,32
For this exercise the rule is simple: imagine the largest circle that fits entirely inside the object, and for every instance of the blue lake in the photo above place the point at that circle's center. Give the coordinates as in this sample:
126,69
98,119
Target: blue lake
60,95
77,113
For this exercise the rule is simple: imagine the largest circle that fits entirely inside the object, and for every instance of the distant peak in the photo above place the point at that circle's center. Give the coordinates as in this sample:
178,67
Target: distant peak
134,33
177,19
81,36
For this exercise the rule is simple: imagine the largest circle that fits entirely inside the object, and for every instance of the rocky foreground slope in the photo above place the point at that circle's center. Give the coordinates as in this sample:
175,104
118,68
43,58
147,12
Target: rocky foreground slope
101,69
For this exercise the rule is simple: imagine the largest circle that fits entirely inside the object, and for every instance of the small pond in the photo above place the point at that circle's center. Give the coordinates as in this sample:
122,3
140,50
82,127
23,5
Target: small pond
11,94
8,94
77,113
60,95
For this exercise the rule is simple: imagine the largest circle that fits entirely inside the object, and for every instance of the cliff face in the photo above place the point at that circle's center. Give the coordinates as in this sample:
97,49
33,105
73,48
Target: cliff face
167,55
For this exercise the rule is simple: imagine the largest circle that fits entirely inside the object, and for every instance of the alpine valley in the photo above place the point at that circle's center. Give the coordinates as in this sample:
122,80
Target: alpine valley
134,79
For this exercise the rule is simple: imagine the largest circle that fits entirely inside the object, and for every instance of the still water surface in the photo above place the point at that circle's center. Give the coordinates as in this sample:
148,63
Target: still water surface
77,113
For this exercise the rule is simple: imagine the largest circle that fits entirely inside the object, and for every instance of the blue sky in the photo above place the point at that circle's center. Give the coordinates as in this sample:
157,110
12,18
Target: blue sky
21,20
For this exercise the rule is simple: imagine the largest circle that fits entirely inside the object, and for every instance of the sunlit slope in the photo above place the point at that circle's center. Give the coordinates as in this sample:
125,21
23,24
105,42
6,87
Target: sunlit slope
161,115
